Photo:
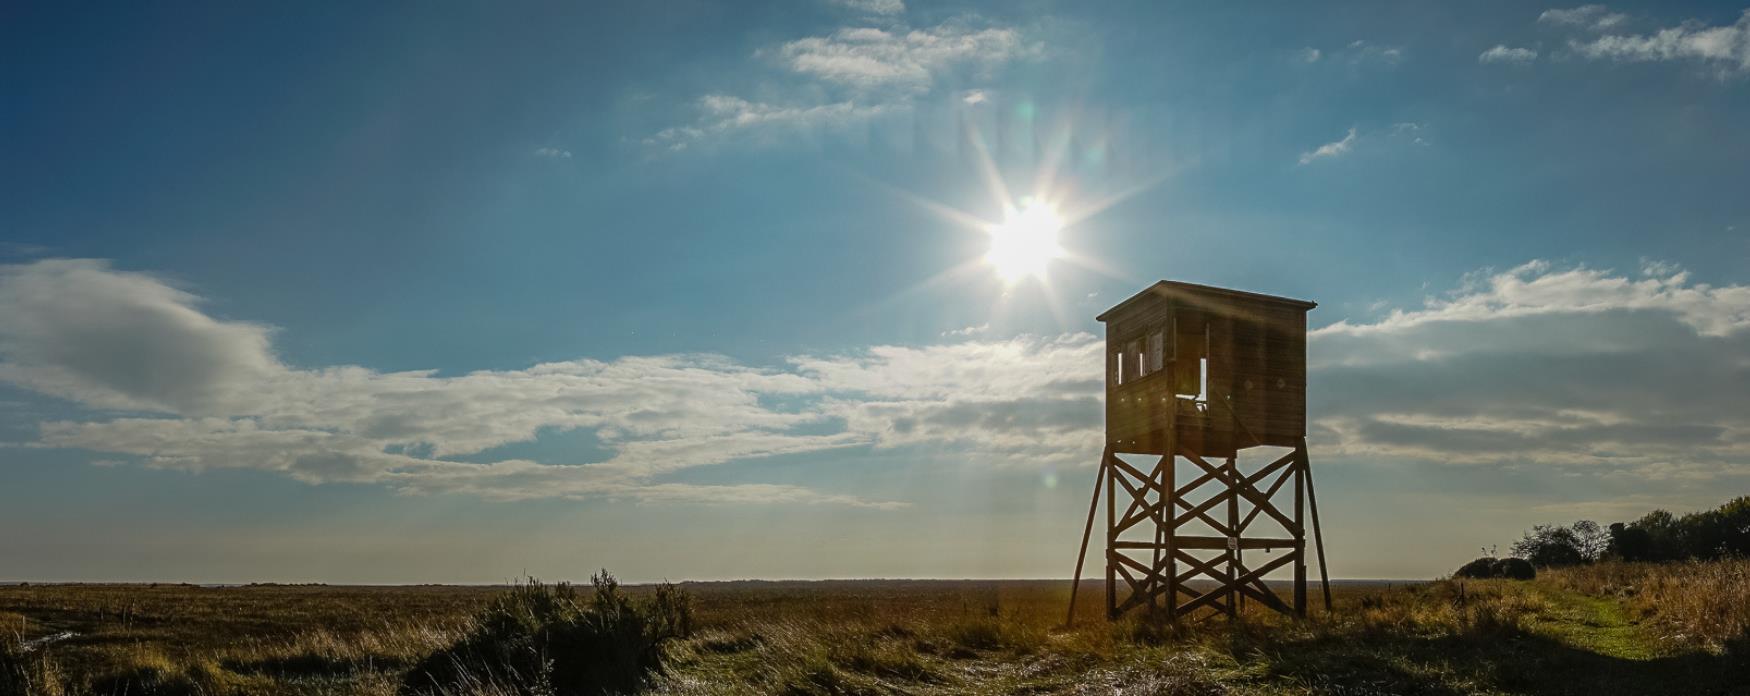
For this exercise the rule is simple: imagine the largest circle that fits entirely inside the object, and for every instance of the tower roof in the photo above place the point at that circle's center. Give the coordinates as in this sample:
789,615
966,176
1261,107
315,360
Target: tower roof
1174,288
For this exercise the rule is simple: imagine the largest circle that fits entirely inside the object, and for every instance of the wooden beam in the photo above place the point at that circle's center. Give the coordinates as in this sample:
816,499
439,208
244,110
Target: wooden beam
1233,525
1111,537
1299,472
1286,475
1075,583
1318,537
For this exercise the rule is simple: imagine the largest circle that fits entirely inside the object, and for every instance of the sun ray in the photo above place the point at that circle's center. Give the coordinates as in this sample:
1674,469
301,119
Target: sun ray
987,167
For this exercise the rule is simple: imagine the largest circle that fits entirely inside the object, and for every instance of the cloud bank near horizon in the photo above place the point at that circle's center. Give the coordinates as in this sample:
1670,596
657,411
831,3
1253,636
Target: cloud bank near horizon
1641,376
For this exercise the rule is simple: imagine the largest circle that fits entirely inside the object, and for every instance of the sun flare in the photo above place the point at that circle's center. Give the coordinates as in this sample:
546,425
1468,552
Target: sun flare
1025,243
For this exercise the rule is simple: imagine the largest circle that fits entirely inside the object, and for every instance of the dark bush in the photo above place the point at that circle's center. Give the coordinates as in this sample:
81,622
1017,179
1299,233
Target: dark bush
1514,569
1481,568
546,639
1488,567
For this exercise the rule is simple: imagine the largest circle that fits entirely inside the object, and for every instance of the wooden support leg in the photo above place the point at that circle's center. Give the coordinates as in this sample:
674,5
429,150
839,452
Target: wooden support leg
1234,597
1111,536
1075,582
1318,536
1168,526
1299,534
1152,583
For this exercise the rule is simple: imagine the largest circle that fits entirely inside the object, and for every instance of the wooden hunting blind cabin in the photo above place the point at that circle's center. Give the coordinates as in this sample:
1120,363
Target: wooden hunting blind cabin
1202,374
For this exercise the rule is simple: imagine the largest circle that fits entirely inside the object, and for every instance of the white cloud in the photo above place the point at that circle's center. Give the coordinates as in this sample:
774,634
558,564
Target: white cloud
909,60
1416,132
874,7
1567,368
203,393
1361,51
870,71
1641,376
122,340
1034,400
1594,17
1501,53
553,153
1726,47
1311,55
1535,289
724,113
1331,149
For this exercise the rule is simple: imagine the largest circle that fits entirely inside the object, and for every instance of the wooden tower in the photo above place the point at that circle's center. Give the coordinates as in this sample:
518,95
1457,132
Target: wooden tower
1196,375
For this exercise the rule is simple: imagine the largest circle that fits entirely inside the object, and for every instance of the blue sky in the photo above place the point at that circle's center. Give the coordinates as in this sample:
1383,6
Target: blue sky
456,294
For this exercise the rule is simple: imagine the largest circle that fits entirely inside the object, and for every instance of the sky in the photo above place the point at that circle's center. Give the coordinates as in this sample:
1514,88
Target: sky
688,290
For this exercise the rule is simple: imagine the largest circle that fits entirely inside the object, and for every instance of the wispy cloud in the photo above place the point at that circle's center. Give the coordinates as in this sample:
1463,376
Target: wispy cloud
1502,53
1416,132
871,70
1724,47
1638,375
1331,149
199,393
870,58
873,7
553,153
1593,17
1311,55
1362,51
1574,367
723,113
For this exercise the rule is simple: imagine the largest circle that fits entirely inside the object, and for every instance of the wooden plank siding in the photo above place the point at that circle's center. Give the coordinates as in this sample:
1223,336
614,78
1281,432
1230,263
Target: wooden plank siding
1256,385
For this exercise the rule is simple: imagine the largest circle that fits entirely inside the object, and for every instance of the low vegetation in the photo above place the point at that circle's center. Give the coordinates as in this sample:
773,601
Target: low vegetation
1704,604
1658,605
1600,628
547,639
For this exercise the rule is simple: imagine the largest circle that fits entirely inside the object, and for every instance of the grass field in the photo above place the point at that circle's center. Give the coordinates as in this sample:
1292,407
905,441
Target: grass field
1599,630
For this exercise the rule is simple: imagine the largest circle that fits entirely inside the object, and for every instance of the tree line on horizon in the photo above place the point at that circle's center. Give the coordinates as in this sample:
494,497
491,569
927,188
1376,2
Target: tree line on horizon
1657,537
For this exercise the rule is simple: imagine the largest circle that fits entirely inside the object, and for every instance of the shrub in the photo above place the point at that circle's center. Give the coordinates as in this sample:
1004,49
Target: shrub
1478,569
1514,569
1487,567
546,639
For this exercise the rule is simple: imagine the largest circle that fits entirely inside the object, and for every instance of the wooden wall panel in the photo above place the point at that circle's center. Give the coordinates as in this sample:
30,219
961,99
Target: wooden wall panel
1257,372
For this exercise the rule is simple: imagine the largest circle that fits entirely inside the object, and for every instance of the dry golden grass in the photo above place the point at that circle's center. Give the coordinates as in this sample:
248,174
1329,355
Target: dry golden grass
1700,603
1490,636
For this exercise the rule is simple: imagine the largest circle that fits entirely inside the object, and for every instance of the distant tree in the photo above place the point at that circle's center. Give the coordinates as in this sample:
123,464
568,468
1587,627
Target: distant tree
1593,540
1630,543
1657,536
1718,532
1735,523
1550,545
1664,536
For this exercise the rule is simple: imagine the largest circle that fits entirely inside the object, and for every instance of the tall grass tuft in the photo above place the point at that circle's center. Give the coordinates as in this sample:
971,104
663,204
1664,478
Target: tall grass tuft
1704,603
541,639
26,673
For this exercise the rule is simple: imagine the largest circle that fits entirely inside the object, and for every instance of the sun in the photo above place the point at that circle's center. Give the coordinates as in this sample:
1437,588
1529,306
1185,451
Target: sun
1025,243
